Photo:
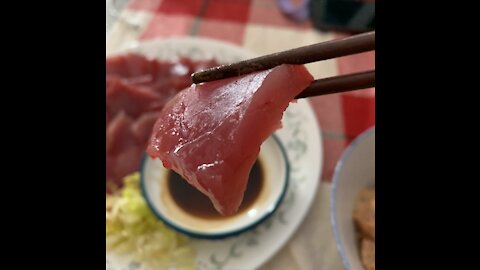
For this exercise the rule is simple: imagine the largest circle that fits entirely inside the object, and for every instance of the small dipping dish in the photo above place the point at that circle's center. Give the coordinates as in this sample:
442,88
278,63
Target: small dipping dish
186,210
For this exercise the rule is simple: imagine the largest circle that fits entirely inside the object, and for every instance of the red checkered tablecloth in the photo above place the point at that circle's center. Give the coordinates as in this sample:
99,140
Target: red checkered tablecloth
260,26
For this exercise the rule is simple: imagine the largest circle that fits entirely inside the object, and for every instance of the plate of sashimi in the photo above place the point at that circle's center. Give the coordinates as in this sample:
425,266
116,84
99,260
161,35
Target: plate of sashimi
216,175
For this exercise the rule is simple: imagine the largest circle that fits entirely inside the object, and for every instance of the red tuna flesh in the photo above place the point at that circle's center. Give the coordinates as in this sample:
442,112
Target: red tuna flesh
211,133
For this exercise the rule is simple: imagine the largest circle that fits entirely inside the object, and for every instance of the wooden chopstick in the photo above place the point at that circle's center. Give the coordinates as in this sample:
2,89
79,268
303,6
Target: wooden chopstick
339,84
303,55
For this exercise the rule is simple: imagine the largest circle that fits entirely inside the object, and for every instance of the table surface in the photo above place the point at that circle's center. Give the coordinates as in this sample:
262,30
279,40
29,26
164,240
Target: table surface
259,26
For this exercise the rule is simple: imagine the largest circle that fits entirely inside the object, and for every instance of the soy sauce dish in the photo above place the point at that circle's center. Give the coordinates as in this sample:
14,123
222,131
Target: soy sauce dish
186,210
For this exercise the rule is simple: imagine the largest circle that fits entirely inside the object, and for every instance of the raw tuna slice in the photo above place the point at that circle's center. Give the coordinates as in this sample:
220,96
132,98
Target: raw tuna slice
119,134
211,133
143,127
137,89
134,100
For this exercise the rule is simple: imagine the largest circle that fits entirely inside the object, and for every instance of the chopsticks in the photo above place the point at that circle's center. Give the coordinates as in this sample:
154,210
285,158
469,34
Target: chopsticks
304,55
339,84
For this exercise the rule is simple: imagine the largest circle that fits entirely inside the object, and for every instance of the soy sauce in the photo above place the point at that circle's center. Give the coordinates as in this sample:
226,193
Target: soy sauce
197,204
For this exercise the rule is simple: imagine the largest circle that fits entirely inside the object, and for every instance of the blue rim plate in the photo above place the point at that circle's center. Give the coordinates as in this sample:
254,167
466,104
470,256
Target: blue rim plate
231,233
301,135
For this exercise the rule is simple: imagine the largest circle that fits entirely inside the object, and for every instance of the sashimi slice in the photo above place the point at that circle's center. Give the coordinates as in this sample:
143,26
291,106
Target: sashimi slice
119,134
128,66
211,133
142,128
137,89
134,100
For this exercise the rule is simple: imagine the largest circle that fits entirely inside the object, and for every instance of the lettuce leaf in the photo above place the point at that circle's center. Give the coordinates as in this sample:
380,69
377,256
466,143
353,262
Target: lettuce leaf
132,228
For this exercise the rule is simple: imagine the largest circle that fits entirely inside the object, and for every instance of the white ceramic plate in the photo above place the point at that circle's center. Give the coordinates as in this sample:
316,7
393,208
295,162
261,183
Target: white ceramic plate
303,143
275,169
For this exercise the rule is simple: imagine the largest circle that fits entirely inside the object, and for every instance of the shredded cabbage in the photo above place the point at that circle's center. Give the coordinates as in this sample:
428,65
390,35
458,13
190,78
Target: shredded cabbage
132,228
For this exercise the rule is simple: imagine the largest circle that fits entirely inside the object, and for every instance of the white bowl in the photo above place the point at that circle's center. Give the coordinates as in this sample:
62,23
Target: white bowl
354,171
275,170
